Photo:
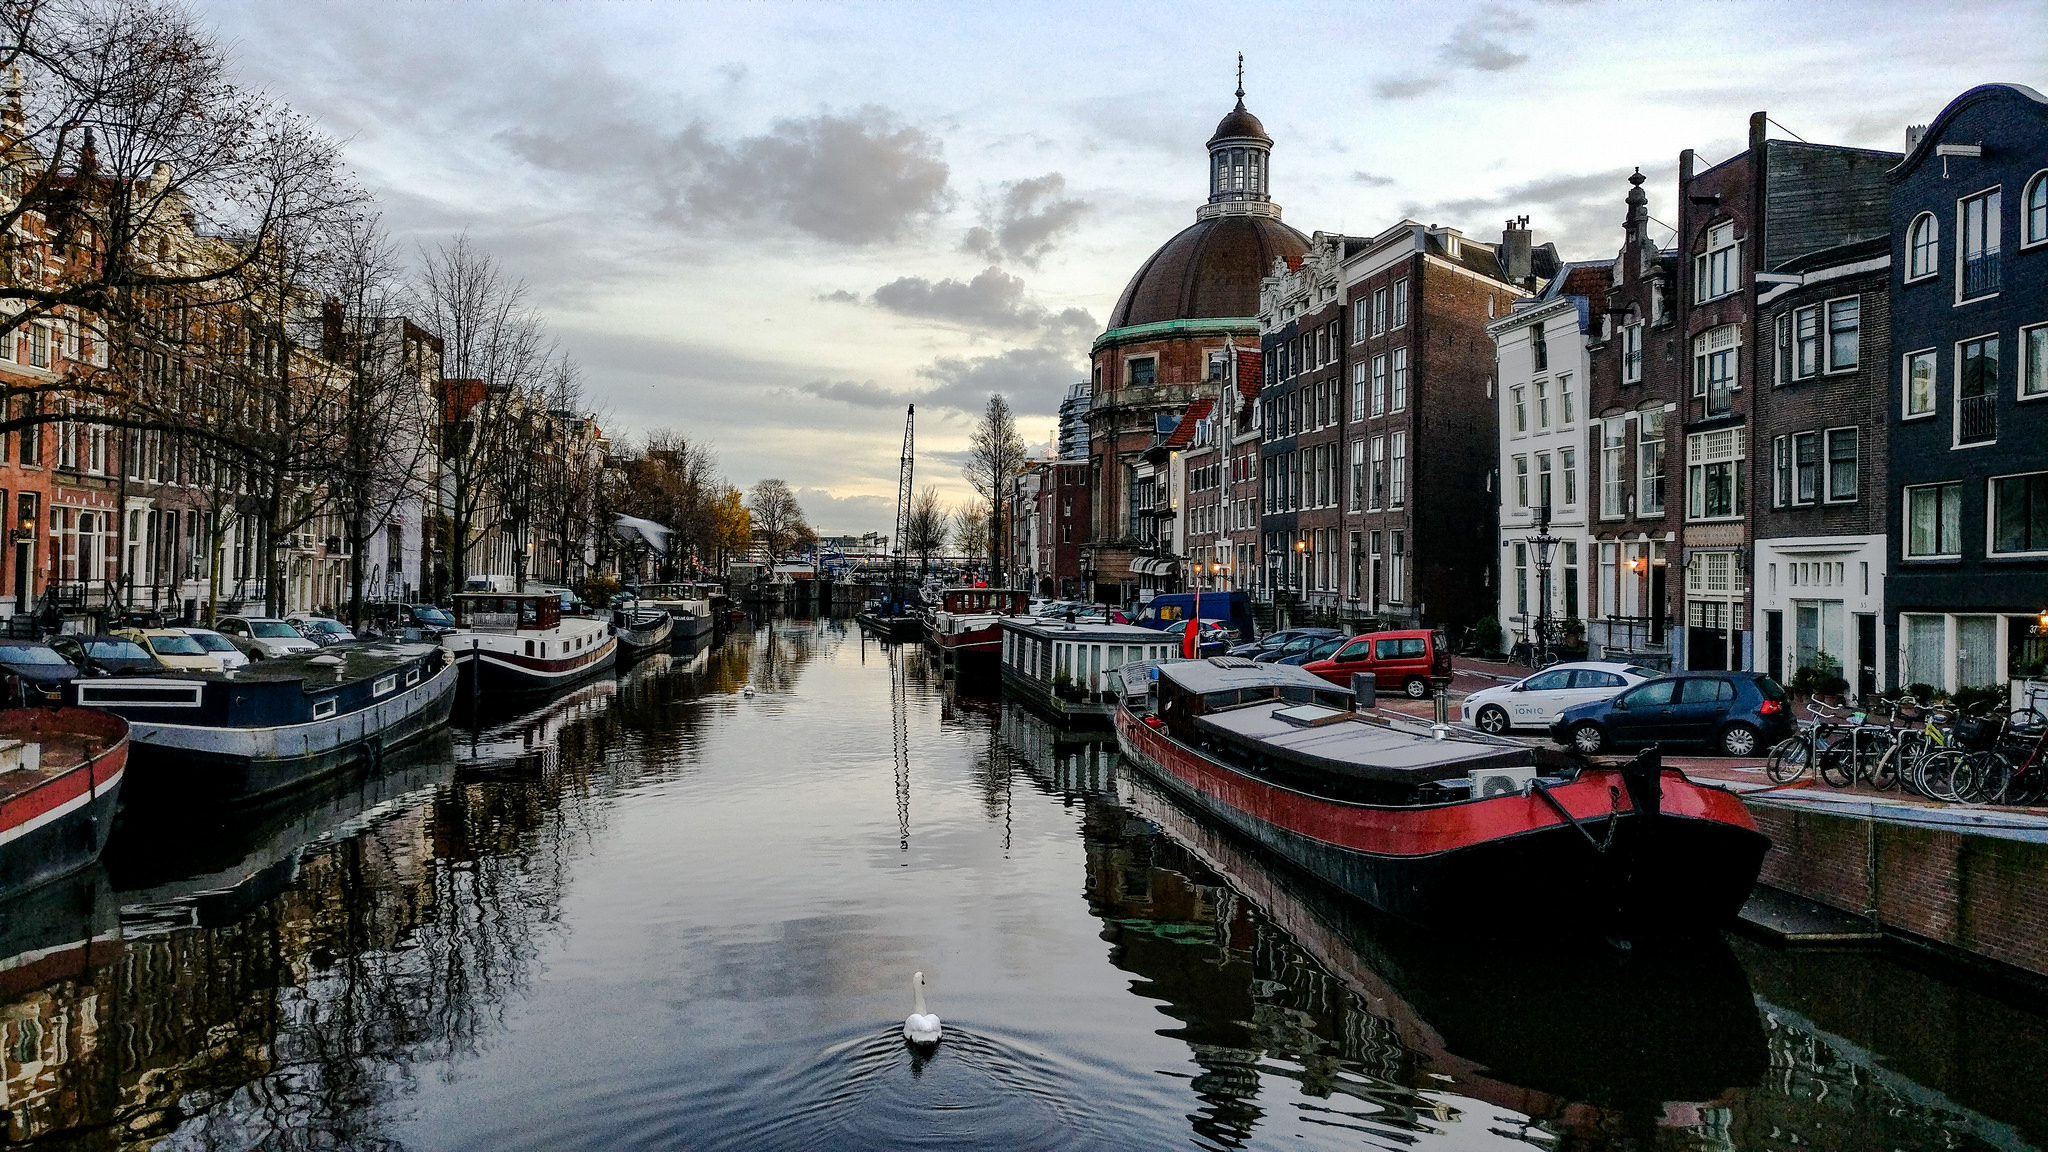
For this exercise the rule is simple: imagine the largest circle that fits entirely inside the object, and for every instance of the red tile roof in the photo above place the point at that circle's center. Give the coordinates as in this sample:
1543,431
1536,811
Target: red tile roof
1250,372
1184,432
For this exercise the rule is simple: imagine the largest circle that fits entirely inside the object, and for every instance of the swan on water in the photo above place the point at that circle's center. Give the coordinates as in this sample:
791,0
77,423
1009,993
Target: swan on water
920,1027
747,690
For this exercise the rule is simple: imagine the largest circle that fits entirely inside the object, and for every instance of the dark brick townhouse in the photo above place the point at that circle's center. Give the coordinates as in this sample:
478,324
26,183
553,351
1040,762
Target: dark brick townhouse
1969,392
1302,433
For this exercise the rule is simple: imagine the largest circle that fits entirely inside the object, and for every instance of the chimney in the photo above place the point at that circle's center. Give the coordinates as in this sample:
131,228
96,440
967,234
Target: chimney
1759,127
1914,134
1515,262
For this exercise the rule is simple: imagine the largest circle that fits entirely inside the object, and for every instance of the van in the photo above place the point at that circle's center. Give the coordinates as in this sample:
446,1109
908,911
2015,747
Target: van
1412,661
1172,610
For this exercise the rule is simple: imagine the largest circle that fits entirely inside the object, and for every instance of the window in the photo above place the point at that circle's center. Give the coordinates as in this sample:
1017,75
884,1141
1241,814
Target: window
1842,333
1650,462
1400,400
1978,220
1567,464
1614,467
1521,404
2019,513
1715,361
1564,400
1571,580
1379,385
1379,311
1521,481
1397,584
1934,520
1924,254
1400,303
1610,577
1542,388
1543,479
1714,474
1632,354
1977,391
1357,474
1216,362
1379,471
38,346
2033,353
1805,467
1805,342
1143,371
1841,464
1398,470
1358,320
1521,578
2034,229
1539,350
1714,271
1781,471
1358,391
1919,397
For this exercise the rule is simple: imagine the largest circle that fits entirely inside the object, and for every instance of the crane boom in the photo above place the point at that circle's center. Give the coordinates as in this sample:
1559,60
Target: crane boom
903,497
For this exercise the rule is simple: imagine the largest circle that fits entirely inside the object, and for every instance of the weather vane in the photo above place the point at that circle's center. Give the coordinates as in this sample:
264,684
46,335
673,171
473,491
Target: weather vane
1240,75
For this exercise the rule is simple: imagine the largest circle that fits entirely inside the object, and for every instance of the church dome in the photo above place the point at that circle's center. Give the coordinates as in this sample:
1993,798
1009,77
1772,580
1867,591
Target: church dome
1211,269
1239,124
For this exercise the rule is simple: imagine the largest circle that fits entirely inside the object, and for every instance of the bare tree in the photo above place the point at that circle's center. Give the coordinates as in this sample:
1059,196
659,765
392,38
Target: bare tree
778,518
970,527
995,455
929,529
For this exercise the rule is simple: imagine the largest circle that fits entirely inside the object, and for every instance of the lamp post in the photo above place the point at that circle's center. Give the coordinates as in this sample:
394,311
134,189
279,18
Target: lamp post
1301,563
1542,542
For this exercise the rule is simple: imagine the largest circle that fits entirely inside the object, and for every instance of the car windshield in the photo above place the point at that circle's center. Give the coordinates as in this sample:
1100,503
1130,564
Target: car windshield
274,630
326,626
1645,673
175,646
213,642
426,615
1327,647
116,650
29,654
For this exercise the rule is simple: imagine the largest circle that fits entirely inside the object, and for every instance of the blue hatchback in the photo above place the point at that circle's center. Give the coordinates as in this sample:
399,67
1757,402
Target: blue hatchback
1733,713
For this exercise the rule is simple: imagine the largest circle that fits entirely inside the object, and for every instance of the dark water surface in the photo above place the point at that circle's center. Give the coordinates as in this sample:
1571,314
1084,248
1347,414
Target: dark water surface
669,913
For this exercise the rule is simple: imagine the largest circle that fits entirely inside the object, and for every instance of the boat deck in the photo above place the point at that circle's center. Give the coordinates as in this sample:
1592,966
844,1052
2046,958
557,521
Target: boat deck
357,662
65,744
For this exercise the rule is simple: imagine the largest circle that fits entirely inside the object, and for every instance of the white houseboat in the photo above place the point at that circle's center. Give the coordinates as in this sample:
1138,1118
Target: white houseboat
522,645
1061,669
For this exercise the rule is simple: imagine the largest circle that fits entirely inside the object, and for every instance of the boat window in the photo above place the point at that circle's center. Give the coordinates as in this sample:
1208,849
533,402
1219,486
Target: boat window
1094,665
154,694
1296,694
1116,655
384,684
529,647
412,677
1216,700
322,709
1335,700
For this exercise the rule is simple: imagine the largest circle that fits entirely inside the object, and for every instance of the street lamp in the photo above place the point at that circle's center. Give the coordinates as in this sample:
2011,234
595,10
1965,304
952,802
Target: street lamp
1543,542
1301,562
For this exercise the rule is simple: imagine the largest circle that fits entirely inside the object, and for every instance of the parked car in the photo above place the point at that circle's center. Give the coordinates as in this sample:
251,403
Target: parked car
321,630
1413,660
176,651
1534,701
28,668
1305,639
106,655
1734,713
263,636
1280,639
1322,649
231,657
1171,609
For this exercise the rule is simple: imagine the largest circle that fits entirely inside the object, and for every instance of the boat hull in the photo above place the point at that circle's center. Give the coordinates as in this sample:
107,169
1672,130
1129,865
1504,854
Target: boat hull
180,765
693,626
635,642
59,826
904,628
1504,866
501,675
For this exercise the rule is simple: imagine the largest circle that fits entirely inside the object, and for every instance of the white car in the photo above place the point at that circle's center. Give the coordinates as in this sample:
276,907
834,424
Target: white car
231,657
1534,701
263,636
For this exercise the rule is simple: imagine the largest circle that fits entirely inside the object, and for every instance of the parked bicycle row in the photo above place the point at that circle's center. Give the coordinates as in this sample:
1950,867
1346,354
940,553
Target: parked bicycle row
1987,754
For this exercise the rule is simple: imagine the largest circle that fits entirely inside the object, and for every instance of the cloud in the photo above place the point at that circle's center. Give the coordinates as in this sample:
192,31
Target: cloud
842,296
1023,221
1580,211
860,394
1371,179
1032,379
859,178
993,299
1476,44
1408,88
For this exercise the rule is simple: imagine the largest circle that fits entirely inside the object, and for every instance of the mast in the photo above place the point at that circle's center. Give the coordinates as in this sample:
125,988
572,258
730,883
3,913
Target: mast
903,499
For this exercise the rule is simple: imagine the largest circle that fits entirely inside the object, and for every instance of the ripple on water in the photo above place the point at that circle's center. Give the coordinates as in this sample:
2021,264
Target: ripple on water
873,1090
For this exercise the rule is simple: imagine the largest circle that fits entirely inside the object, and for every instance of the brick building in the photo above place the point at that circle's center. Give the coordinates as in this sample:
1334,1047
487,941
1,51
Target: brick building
1302,443
1969,373
1167,337
1049,524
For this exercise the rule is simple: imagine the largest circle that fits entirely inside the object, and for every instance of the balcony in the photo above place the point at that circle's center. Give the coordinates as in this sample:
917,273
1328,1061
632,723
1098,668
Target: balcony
1977,419
1980,274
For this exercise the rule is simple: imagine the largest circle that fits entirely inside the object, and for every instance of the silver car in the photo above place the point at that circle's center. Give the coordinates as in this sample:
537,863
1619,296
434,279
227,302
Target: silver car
218,645
263,636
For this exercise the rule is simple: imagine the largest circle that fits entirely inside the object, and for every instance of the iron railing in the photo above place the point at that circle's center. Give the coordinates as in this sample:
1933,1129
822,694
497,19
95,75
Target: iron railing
1980,273
1976,419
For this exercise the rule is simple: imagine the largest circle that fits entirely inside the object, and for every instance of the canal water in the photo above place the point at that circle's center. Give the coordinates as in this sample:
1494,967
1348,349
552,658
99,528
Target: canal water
682,909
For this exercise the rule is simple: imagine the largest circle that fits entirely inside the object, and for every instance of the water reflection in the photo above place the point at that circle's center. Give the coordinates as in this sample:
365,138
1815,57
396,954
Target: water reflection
660,912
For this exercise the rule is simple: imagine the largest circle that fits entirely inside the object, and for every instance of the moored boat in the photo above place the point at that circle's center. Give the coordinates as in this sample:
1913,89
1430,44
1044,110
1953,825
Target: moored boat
892,617
1471,836
694,606
1062,670
966,625
522,645
642,630
61,771
230,737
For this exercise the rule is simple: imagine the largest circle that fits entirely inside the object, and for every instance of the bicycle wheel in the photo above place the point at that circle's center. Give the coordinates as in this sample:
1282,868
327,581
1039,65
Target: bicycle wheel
1989,776
1835,759
2026,723
1937,774
1884,769
1789,759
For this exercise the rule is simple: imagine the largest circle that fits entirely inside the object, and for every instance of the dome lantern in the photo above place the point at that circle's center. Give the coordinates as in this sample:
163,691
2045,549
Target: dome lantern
1240,163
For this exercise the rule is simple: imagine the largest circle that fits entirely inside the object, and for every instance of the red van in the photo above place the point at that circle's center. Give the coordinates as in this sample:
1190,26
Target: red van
1413,661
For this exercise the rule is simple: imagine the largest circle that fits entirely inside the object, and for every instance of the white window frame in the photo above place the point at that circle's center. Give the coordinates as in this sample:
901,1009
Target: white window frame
1706,350
2033,225
1358,320
1722,262
1827,464
1358,386
1377,498
1781,471
1614,468
1379,311
1801,494
1379,384
1906,521
1916,271
1399,399
1521,481
1827,333
1566,416
1994,225
1644,473
1697,463
1991,515
2033,377
1542,390
1933,408
1568,467
1400,318
1632,353
1955,386
1520,404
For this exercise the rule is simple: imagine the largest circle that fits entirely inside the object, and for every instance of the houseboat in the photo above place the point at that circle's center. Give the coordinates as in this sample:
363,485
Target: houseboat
892,615
1061,670
61,771
642,629
230,737
965,626
695,607
1472,836
521,645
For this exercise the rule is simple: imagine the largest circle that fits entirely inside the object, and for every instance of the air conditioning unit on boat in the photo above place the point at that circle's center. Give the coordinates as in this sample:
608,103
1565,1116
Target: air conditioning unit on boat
1501,782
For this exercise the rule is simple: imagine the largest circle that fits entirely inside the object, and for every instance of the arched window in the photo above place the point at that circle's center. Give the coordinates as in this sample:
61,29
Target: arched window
2036,201
1923,247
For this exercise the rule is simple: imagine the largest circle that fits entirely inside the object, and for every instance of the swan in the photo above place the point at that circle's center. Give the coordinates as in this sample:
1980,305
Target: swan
747,690
920,1027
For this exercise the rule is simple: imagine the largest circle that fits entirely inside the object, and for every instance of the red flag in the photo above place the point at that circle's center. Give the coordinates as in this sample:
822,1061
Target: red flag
1187,641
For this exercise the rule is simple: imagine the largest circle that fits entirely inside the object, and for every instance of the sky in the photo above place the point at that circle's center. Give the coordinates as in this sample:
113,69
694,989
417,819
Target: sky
770,226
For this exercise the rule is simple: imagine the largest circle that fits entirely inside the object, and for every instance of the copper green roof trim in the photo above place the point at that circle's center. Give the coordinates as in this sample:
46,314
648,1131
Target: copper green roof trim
1161,328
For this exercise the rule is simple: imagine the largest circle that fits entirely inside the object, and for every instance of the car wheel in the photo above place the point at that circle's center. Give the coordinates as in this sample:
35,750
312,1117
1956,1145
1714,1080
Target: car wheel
1739,740
1587,739
1492,720
1416,687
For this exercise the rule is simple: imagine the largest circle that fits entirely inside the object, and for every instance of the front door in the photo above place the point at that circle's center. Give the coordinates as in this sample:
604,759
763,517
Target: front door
1866,656
1774,644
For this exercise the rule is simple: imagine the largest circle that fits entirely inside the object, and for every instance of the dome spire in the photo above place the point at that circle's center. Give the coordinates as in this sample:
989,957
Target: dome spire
1240,79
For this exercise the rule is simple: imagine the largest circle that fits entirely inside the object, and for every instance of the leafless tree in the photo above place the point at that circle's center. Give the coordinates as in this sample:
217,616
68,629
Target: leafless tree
970,528
778,518
995,455
929,528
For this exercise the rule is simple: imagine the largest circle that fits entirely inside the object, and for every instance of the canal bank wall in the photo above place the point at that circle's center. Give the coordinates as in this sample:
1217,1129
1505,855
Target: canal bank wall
1970,884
